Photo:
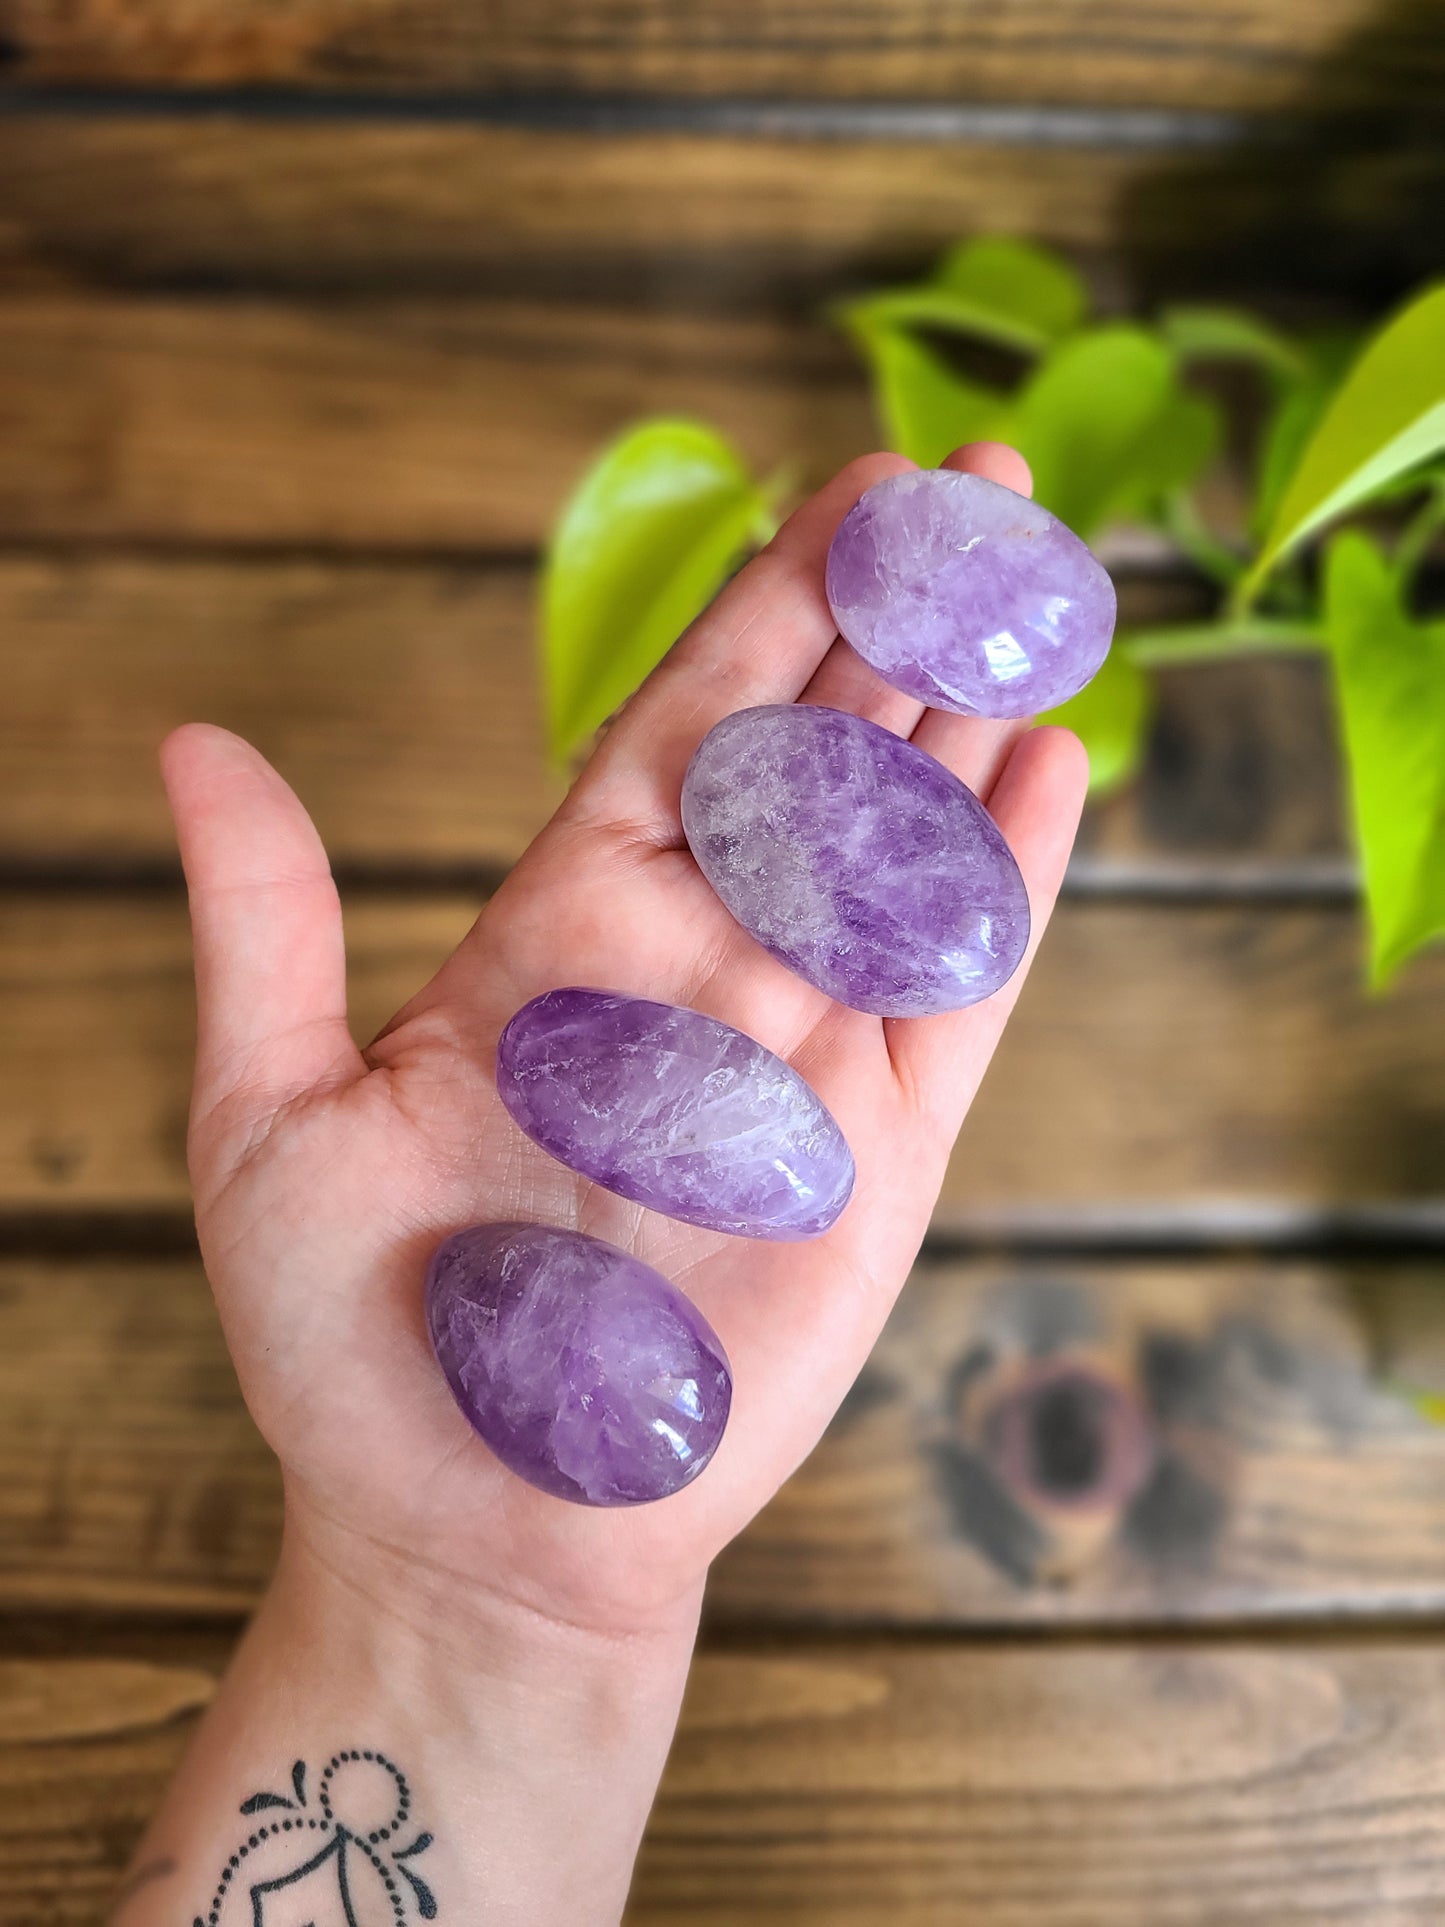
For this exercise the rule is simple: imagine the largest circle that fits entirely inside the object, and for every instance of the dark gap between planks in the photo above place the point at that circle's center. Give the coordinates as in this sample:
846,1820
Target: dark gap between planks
179,1639
911,122
1315,882
1389,1233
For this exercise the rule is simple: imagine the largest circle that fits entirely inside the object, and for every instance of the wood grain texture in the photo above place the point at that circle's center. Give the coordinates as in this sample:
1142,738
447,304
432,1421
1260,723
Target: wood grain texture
1262,54
436,427
453,429
1051,1443
662,216
365,205
1240,779
41,1702
210,358
134,1478
1162,1063
401,701
1102,1788
1011,1786
1067,1444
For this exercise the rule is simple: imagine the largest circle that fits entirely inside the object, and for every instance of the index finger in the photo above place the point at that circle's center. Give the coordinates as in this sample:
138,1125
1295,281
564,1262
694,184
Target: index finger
758,641
761,640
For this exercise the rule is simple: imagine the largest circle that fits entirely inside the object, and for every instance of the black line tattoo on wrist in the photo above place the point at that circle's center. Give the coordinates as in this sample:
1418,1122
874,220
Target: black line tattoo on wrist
352,1834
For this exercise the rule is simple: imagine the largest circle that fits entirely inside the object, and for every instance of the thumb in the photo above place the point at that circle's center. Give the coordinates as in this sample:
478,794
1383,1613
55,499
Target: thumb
266,926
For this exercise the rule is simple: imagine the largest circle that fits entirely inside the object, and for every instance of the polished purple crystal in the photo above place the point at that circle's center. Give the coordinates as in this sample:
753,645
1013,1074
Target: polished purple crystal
855,858
967,596
676,1111
582,1368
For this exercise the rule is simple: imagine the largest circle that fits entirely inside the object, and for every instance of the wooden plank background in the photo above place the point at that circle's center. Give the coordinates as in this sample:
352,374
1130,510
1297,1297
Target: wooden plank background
735,215
1108,1599
1260,55
401,700
845,1783
348,202
1111,1100
1037,1441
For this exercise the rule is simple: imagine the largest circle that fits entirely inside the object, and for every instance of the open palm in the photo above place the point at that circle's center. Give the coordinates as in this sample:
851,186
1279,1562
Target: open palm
325,1174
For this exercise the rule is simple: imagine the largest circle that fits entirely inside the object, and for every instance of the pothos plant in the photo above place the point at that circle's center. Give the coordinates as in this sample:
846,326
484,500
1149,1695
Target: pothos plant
1116,428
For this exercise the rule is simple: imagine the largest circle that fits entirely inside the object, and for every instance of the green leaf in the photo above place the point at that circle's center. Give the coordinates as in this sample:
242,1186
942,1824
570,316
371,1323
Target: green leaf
924,407
998,290
1230,334
1186,433
1014,282
1388,417
1390,685
645,541
1111,715
1087,420
1252,635
1298,407
1295,417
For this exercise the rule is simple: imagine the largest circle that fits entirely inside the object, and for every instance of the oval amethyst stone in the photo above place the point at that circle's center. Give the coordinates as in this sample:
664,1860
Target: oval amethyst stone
582,1368
967,596
676,1111
856,859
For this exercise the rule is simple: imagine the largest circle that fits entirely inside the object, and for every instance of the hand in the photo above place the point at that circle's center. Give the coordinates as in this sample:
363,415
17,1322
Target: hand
324,1174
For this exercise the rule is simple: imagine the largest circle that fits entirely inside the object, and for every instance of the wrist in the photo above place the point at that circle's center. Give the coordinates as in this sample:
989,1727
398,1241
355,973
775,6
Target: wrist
473,1659
427,1615
539,1742
529,1749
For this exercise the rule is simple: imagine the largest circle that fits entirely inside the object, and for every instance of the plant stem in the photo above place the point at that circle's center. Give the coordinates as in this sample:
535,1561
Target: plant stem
1184,524
1419,533
1217,641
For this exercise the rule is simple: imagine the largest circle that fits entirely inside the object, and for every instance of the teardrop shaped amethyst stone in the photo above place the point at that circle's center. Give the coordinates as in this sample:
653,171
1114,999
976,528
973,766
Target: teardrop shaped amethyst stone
583,1369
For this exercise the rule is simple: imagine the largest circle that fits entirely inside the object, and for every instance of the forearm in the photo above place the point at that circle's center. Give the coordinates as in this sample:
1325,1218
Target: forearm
528,1751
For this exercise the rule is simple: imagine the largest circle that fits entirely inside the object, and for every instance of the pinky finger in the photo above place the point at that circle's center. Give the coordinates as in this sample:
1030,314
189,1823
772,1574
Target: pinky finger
1036,800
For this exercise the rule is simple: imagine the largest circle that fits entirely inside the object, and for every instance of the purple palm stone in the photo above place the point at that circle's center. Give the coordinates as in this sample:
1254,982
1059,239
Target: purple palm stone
967,596
676,1111
859,861
581,1367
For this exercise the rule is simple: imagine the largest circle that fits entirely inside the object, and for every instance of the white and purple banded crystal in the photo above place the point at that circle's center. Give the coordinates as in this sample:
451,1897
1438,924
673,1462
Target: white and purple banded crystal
676,1111
582,1368
967,596
856,859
